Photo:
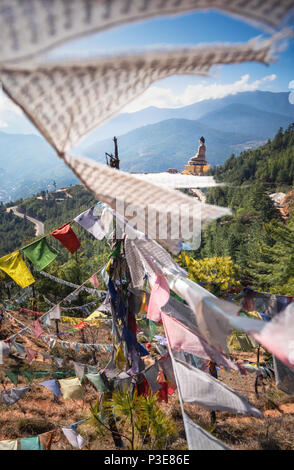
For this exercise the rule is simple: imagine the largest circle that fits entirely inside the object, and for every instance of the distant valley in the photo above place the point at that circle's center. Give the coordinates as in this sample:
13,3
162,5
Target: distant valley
153,139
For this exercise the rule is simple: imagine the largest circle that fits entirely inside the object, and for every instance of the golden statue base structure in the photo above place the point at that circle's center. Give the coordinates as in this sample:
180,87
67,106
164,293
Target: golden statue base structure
196,170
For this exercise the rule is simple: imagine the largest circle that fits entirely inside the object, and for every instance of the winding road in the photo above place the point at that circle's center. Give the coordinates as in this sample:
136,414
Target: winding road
37,223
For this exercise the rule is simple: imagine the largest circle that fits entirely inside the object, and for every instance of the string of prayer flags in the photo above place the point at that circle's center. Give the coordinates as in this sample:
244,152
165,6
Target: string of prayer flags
158,298
75,439
13,265
30,443
40,253
8,445
81,20
12,395
67,237
71,388
204,390
92,223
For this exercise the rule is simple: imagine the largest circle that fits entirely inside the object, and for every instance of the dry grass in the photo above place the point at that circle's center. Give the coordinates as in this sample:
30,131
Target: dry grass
36,413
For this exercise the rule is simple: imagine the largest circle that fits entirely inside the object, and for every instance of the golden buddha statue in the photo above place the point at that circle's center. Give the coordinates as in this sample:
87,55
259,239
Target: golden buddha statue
197,165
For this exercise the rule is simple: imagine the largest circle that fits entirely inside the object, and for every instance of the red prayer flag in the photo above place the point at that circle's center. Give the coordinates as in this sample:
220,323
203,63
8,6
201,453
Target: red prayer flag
37,329
81,325
31,354
67,237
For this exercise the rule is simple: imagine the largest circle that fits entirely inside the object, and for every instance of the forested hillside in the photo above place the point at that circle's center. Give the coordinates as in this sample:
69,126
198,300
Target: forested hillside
13,230
56,209
256,237
272,163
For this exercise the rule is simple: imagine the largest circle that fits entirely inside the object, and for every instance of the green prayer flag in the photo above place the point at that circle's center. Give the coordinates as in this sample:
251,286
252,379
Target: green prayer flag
40,253
61,374
28,374
116,251
149,328
98,382
38,374
20,349
13,376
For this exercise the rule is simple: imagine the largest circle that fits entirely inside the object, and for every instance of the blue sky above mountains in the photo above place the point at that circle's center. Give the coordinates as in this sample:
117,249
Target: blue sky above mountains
187,29
191,29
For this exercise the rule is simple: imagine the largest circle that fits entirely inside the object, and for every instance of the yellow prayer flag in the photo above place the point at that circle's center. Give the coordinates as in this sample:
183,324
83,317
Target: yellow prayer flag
71,388
120,360
15,267
96,314
143,305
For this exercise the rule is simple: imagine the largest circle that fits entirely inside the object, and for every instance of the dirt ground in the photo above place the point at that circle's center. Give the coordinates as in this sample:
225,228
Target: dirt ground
37,413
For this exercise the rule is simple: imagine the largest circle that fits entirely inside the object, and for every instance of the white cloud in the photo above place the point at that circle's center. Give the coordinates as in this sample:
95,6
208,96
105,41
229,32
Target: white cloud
166,98
7,105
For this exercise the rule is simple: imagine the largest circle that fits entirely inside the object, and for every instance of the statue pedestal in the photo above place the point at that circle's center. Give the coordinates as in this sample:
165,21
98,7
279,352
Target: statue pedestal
196,170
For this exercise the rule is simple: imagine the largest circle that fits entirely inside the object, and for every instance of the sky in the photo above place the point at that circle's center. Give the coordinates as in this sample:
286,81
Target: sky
189,30
184,30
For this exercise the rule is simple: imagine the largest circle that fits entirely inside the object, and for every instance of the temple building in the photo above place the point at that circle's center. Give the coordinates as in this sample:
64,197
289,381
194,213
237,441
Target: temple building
197,165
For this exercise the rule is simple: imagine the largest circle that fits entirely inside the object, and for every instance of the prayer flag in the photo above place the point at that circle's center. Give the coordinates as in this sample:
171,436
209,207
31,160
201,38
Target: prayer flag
91,222
51,385
94,280
31,354
14,266
30,443
182,339
71,388
8,445
98,382
40,253
54,313
12,395
158,298
120,359
204,390
67,237
199,439
12,375
37,329
75,439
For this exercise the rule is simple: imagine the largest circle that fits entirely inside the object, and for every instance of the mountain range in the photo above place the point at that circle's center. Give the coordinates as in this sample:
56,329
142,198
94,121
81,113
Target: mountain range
152,139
